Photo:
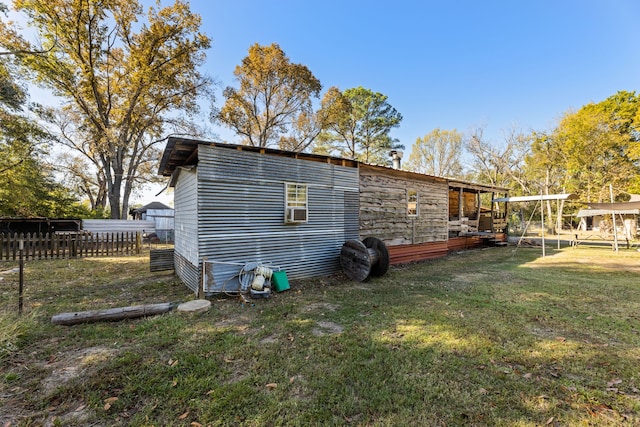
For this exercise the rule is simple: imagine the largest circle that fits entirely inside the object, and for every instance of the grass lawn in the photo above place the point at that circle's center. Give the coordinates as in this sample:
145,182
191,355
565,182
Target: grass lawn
494,337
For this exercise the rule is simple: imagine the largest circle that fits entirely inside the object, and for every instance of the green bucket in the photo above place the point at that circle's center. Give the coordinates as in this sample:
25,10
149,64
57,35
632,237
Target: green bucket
280,281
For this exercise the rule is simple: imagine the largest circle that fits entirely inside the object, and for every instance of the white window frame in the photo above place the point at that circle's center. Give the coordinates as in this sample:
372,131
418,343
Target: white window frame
413,203
294,206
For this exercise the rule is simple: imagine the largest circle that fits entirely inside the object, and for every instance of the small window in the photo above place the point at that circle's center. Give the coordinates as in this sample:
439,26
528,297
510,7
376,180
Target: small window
295,203
412,203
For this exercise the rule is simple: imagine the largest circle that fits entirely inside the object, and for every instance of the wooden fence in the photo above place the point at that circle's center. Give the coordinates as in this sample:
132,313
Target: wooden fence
69,245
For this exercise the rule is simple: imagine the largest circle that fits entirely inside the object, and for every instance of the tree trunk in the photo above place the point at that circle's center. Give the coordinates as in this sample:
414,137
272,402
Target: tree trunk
114,195
128,186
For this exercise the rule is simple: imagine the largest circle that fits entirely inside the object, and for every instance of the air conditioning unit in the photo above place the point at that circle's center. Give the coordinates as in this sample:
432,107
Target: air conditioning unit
296,215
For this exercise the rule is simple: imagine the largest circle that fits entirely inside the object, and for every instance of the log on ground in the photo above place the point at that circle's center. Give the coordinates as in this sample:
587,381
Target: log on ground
112,314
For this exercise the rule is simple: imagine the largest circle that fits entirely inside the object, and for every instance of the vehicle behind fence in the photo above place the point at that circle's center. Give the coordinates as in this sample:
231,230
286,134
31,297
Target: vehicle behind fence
68,245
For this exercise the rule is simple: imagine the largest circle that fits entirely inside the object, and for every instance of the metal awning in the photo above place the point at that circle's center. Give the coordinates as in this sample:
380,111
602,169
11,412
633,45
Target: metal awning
596,212
538,197
614,206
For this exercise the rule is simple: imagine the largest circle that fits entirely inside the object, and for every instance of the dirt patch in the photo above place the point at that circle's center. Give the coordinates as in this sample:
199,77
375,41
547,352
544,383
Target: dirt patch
271,339
321,307
69,366
64,367
239,323
469,278
327,328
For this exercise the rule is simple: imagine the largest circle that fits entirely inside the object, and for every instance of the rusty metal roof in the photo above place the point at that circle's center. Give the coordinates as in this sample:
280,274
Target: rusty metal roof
184,152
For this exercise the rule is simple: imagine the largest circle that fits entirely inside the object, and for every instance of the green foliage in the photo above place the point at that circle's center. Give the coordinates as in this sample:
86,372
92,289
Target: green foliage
122,87
439,153
273,103
358,125
591,148
28,190
27,187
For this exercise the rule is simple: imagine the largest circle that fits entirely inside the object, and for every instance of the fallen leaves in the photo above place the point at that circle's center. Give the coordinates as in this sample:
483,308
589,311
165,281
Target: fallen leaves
613,382
108,402
271,386
551,421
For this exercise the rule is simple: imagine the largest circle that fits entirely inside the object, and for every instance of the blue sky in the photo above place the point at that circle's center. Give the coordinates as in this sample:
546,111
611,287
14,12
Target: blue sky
444,64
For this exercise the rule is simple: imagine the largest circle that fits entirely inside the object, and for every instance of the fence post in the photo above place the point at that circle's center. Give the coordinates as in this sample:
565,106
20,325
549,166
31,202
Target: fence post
21,276
40,244
204,277
138,242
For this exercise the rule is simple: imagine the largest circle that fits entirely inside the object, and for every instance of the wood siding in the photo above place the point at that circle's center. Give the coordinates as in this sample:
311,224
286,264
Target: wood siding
383,207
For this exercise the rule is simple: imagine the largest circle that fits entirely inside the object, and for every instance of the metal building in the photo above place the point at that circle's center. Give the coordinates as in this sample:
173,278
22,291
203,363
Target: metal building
159,213
236,204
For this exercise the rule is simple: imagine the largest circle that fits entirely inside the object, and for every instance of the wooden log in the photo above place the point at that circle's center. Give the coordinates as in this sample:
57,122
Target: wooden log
111,314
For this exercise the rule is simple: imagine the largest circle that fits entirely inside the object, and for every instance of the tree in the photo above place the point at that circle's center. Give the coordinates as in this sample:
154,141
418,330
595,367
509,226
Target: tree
592,153
274,98
358,124
438,153
589,150
27,187
499,164
123,88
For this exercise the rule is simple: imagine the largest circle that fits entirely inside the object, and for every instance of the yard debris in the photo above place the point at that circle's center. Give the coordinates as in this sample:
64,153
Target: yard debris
112,314
108,402
613,382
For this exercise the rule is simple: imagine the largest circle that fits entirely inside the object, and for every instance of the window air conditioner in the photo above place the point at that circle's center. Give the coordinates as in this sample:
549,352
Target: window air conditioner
296,215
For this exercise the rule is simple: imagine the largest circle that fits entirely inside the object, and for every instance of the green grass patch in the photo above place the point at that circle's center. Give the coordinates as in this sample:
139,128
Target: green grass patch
495,337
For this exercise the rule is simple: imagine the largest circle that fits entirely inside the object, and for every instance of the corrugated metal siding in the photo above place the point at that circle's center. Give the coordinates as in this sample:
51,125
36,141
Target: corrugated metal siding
241,211
402,254
186,231
188,273
161,259
462,243
117,226
351,215
163,218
